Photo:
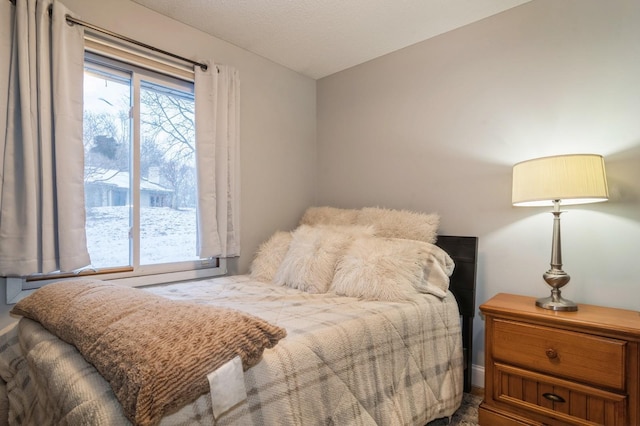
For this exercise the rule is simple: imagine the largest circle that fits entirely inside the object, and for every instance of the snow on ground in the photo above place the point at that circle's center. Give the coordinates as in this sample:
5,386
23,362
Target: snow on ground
166,235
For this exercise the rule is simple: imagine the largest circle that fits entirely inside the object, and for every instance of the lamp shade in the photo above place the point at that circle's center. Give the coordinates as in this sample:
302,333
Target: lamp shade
571,179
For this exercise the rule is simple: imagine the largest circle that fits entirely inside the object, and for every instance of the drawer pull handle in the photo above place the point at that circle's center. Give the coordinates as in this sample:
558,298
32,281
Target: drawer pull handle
551,353
553,397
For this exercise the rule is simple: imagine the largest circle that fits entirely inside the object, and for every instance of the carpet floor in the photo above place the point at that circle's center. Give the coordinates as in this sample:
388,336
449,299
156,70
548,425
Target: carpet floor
466,415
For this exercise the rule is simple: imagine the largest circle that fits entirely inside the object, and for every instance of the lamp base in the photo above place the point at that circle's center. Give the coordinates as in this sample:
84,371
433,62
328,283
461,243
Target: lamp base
556,302
557,279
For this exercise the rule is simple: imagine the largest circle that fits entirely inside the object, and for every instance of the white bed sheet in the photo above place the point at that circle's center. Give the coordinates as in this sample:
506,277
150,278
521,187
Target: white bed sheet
343,362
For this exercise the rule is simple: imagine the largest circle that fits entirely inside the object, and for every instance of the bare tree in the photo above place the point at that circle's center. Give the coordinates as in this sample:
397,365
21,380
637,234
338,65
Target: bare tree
106,146
169,129
172,118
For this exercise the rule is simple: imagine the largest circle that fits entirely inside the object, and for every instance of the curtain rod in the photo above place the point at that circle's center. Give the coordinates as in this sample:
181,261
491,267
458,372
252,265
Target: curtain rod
80,22
136,42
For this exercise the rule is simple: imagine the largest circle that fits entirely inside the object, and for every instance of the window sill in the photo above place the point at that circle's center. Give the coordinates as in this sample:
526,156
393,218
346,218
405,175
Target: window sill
16,291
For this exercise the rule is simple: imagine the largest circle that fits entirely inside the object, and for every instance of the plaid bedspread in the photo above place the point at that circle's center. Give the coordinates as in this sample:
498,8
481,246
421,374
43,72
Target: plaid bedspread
343,362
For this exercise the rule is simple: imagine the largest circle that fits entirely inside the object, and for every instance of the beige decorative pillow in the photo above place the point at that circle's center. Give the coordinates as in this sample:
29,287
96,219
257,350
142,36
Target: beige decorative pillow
392,269
329,216
269,256
401,223
310,262
154,352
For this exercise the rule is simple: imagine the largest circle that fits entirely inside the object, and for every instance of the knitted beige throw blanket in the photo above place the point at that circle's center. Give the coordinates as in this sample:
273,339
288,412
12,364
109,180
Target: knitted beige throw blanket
154,352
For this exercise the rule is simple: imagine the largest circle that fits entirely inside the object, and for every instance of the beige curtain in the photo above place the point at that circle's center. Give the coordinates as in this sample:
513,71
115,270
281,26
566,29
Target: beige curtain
42,216
217,93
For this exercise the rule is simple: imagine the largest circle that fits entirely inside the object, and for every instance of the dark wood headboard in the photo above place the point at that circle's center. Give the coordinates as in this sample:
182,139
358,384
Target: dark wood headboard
464,252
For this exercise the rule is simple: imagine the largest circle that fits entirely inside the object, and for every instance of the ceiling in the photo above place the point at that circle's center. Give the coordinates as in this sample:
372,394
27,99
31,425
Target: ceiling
320,37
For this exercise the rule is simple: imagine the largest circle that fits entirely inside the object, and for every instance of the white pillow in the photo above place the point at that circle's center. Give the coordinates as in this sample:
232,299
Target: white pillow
310,262
401,223
392,269
329,216
269,256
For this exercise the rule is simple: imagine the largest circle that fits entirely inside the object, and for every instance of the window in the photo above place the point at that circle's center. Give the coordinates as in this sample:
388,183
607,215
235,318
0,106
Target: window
125,165
140,177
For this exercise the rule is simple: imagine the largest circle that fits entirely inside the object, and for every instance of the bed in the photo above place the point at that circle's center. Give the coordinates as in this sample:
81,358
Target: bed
331,355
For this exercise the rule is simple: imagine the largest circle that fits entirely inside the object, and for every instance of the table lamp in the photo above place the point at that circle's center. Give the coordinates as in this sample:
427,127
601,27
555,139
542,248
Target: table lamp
550,181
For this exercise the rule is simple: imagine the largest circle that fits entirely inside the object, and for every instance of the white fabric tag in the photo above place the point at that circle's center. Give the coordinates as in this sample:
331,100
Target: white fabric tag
227,386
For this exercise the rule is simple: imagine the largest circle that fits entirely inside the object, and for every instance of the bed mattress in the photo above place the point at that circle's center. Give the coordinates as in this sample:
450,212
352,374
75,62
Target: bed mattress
344,362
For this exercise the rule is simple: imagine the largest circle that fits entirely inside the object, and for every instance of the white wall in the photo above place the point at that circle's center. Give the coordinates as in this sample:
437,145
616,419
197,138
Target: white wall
278,117
437,127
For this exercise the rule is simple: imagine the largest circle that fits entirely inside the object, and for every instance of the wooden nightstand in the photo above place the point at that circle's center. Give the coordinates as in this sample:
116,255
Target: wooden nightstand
544,367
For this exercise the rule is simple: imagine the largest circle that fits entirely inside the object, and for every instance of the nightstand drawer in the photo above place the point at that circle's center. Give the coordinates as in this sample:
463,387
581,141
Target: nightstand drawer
578,356
564,401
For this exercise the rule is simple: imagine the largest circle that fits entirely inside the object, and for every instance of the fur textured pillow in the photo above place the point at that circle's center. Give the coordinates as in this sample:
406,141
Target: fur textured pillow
392,269
154,352
387,223
310,262
401,223
269,256
329,216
